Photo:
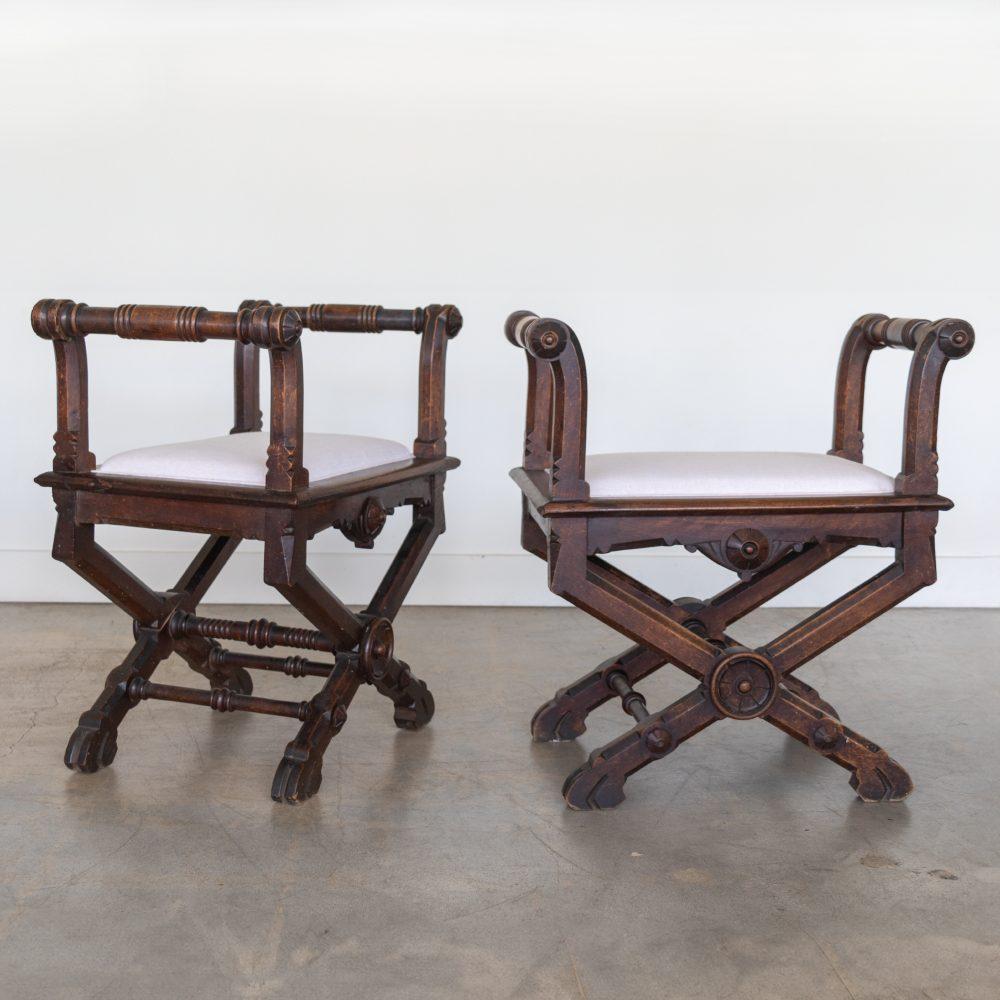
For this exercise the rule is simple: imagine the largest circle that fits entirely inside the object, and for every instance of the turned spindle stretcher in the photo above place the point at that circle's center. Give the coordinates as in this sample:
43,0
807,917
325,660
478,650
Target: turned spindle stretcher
250,485
772,518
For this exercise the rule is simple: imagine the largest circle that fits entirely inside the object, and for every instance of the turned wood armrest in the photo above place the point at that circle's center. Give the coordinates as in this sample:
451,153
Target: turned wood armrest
556,421
436,324
933,344
267,326
274,328
363,319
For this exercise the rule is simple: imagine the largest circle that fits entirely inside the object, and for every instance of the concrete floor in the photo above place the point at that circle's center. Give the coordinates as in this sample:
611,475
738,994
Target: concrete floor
443,863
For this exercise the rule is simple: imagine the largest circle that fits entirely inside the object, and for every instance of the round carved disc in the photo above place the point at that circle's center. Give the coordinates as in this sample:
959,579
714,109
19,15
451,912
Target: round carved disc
747,548
365,527
372,517
376,646
743,685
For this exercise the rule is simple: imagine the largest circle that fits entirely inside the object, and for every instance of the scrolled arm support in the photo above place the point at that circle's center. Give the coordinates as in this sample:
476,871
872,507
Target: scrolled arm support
247,414
278,329
933,344
56,320
440,324
538,416
285,470
556,422
849,400
437,324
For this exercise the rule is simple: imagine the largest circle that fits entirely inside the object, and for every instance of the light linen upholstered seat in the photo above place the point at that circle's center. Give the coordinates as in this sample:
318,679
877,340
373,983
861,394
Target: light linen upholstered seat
241,459
731,474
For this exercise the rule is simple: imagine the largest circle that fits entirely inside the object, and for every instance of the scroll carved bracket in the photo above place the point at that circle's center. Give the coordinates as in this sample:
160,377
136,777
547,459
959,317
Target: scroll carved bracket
365,528
747,551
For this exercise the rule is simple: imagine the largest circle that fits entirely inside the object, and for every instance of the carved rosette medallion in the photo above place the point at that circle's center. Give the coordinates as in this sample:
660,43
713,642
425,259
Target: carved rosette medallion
364,529
747,549
742,684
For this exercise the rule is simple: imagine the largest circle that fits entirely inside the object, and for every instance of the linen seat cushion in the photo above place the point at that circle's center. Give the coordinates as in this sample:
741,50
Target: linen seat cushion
241,459
731,474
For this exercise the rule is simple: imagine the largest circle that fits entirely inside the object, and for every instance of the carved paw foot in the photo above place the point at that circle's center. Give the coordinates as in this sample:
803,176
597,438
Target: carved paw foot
92,746
419,711
886,781
556,721
237,680
593,787
298,777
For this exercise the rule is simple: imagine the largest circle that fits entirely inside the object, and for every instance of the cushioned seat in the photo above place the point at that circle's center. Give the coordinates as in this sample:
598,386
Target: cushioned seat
241,459
731,474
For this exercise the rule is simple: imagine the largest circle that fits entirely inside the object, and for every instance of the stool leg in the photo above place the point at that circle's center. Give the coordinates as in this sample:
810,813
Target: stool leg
428,524
300,772
414,704
94,742
599,784
875,776
286,570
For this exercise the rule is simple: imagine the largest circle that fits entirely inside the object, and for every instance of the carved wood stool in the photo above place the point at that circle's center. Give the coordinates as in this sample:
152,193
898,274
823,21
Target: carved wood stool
771,518
250,485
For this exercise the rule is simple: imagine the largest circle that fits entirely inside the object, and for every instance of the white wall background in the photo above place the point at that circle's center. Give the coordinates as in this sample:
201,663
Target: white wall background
709,192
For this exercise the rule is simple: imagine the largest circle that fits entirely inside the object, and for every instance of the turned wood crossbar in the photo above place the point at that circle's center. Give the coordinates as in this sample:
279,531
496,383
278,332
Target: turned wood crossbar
218,699
258,632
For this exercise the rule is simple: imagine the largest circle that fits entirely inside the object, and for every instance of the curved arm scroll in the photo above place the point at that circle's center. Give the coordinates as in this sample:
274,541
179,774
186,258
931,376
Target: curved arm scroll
933,345
557,402
440,324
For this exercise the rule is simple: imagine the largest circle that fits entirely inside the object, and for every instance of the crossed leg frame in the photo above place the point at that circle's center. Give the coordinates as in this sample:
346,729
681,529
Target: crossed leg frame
734,682
164,623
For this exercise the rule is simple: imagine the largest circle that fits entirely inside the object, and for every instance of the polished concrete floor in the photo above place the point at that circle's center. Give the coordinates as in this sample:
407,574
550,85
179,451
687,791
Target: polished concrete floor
443,863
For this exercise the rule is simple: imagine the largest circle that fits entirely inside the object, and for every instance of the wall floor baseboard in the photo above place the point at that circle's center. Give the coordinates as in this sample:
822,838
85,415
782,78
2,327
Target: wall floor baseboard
490,580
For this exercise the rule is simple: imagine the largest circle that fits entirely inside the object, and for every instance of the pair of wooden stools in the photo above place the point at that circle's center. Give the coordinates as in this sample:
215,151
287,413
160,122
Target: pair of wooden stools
772,518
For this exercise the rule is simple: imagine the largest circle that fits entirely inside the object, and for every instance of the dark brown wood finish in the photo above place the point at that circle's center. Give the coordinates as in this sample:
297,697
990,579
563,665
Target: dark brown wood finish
247,415
285,514
771,543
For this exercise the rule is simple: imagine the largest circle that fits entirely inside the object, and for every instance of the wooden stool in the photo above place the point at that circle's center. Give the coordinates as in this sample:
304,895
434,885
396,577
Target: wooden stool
250,485
772,518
